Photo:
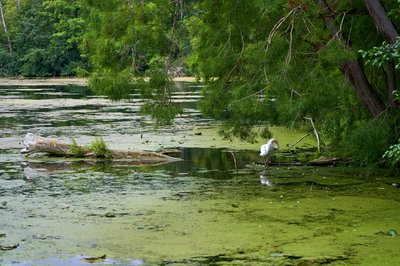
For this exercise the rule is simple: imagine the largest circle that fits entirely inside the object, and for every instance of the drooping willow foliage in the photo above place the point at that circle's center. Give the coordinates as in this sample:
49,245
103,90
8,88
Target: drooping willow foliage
275,63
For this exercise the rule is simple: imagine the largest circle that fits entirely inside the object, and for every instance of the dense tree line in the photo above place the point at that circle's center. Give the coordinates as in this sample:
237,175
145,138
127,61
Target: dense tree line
263,62
41,38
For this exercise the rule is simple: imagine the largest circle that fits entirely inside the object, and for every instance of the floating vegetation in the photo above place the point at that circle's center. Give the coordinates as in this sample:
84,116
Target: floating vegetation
76,150
100,148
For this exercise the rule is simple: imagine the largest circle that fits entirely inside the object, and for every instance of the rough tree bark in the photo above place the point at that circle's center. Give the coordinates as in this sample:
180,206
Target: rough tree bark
354,72
382,22
353,69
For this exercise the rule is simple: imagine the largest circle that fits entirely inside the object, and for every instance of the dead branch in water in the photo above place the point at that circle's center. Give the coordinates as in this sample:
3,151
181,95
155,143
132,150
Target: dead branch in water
297,141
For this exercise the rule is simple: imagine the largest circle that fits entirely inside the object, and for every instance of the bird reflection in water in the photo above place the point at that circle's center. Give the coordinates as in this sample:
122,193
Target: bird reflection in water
265,180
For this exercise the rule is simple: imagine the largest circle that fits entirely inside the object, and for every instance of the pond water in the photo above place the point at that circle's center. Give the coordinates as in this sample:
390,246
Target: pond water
217,206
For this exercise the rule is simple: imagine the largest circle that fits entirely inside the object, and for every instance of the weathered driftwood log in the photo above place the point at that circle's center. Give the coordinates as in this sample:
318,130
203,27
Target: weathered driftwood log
36,144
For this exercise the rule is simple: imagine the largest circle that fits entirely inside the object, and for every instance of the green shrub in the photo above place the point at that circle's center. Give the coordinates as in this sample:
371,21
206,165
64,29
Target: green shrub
100,148
8,63
76,150
366,144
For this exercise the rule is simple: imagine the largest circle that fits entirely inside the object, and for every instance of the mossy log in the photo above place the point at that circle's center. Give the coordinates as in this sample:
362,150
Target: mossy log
36,144
326,160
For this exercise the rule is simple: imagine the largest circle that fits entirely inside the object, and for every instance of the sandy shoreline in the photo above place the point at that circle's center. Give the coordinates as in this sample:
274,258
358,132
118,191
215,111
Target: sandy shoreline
61,81
42,81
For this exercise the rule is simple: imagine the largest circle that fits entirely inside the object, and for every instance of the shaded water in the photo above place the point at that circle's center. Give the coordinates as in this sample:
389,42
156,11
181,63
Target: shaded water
216,207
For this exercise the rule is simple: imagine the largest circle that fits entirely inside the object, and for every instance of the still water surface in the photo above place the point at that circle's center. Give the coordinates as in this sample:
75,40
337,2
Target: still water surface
216,207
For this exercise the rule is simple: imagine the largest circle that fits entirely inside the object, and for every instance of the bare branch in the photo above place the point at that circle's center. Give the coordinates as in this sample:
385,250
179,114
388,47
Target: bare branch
289,55
315,132
279,24
240,55
297,141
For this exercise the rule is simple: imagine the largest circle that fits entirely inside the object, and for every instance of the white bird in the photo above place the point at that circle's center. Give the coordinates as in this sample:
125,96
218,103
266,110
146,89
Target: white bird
268,149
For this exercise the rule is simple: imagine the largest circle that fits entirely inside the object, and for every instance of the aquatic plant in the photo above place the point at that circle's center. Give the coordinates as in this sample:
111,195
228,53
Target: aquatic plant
76,150
100,148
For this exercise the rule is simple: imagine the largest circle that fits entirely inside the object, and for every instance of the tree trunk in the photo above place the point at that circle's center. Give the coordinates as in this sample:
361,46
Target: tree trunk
381,20
391,82
386,27
3,20
353,69
356,76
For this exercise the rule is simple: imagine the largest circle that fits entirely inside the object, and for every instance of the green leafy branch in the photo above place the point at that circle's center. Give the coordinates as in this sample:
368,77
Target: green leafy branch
377,56
392,155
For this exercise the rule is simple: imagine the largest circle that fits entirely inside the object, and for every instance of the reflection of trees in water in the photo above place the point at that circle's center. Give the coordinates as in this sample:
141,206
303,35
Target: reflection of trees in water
195,160
208,158
210,162
87,176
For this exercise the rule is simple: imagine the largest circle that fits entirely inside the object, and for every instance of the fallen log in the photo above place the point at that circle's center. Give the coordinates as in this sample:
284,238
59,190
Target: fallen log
326,160
36,144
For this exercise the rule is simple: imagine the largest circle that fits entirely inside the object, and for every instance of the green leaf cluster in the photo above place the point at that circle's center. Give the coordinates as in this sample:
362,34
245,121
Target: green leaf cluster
392,155
378,56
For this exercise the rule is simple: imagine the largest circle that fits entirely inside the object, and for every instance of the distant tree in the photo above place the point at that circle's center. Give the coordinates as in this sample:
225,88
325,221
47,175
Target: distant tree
3,20
8,57
44,36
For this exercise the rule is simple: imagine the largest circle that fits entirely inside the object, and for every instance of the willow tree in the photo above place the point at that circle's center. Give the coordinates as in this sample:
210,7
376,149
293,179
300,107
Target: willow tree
269,63
130,45
277,62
